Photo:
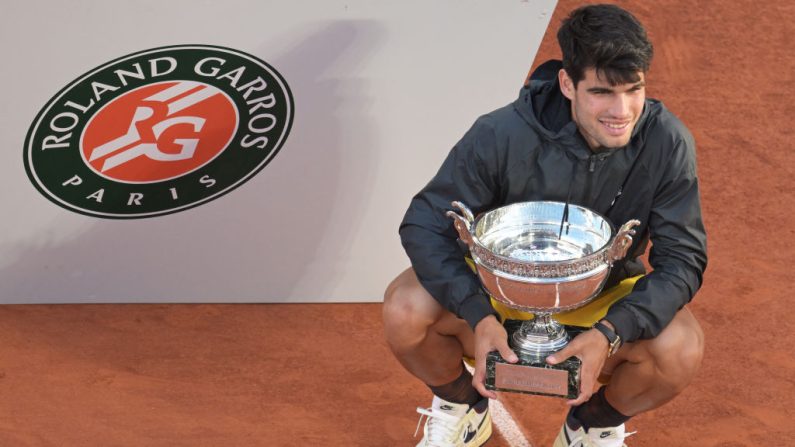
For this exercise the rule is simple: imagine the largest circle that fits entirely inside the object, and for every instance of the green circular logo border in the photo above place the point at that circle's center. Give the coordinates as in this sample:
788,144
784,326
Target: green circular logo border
286,129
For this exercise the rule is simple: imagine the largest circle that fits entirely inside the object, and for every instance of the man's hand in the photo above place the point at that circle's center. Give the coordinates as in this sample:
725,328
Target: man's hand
591,347
489,335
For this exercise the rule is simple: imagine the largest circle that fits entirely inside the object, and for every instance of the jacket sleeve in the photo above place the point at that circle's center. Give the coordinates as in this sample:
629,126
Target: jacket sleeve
469,174
678,255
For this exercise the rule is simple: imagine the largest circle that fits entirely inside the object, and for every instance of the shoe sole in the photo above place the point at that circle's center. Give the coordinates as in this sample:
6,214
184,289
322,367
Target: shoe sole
484,435
560,441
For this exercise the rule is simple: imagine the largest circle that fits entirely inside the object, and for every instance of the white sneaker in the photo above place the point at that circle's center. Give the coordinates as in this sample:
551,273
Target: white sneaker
454,425
595,437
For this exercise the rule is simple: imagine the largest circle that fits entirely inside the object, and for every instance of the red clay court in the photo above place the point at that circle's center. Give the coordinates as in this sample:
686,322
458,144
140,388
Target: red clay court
288,375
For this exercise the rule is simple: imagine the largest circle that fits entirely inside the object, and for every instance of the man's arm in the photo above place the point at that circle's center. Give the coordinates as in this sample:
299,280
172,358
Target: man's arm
470,174
678,255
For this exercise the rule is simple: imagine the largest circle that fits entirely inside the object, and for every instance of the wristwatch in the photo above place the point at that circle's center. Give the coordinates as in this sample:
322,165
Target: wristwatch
612,338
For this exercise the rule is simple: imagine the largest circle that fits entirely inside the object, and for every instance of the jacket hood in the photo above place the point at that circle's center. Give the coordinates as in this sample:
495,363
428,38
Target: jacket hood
542,105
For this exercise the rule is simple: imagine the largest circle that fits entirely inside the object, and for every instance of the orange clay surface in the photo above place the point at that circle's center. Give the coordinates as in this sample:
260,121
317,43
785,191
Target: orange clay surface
307,375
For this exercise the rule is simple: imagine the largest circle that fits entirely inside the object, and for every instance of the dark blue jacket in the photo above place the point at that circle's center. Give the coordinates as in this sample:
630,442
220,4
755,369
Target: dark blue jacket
531,150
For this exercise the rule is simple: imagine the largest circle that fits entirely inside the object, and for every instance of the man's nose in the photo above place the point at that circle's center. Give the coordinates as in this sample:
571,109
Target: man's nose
619,108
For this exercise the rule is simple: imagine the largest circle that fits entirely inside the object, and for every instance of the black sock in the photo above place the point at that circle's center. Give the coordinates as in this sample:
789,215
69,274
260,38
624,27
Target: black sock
459,391
598,412
482,405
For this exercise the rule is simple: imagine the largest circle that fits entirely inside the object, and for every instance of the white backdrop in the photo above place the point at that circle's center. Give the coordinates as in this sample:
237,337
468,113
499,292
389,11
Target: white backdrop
382,91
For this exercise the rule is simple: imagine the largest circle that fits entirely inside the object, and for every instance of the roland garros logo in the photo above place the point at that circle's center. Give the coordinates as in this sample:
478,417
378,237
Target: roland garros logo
158,131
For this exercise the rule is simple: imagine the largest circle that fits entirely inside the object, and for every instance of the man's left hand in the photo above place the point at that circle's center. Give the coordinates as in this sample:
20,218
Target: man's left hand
591,347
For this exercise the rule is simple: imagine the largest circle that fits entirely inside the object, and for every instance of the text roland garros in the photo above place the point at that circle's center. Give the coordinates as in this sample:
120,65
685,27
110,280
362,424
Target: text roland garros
158,131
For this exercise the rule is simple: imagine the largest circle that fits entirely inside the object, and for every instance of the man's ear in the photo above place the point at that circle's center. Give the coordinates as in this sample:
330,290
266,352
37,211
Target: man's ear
566,84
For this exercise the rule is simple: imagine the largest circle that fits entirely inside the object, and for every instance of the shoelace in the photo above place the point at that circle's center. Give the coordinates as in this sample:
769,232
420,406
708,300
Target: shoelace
442,427
585,441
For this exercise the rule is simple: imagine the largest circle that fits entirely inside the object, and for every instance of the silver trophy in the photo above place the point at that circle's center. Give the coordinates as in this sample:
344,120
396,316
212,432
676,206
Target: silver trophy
544,258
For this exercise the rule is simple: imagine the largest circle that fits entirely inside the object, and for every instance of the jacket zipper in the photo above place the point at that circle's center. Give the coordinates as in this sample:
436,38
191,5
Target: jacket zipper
591,195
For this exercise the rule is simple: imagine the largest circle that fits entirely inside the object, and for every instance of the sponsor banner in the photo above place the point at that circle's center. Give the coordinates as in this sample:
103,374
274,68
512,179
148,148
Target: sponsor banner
238,151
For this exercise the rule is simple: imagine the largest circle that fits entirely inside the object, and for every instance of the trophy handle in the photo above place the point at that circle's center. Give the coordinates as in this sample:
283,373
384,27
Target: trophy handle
618,249
463,224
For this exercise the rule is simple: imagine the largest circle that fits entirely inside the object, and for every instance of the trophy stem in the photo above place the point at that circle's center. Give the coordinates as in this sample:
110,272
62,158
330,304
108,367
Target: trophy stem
538,338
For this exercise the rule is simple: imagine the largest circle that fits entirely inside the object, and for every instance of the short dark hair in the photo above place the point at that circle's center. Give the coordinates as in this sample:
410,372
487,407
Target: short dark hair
606,38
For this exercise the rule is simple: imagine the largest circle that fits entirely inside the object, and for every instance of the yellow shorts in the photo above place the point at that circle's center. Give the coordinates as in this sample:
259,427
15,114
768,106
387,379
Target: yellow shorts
584,316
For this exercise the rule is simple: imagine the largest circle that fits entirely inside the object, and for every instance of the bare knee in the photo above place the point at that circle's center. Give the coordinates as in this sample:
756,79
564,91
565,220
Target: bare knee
678,352
408,312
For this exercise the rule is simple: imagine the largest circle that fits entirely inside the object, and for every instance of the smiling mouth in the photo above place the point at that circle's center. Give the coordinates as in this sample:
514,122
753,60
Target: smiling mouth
615,128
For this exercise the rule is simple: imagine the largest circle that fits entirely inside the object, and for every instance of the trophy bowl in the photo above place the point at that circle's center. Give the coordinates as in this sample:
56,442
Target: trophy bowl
541,257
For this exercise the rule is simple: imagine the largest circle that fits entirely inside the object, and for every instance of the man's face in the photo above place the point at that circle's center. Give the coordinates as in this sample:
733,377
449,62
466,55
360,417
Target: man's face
605,114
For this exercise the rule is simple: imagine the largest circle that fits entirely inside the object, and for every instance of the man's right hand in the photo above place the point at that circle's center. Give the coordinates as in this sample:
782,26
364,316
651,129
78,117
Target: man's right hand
490,335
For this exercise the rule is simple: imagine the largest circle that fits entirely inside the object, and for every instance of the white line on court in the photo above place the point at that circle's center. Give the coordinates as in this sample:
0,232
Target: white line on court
507,426
504,422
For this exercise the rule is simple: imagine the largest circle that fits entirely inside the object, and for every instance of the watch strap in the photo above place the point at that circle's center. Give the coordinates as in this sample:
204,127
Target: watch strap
613,340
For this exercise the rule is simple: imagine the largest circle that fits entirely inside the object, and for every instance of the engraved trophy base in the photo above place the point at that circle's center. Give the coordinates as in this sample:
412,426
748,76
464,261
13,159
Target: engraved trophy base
532,376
